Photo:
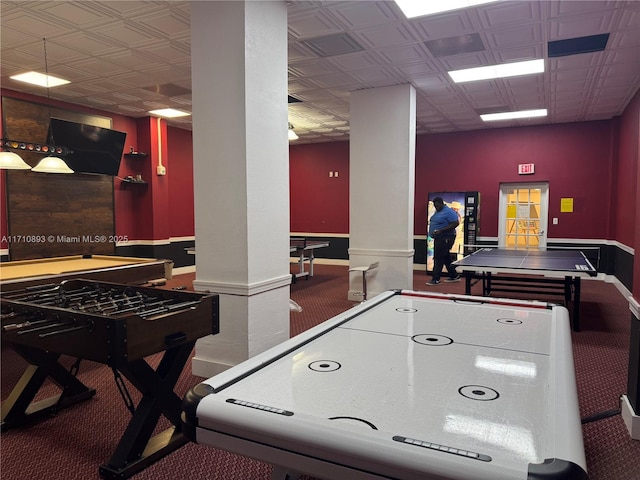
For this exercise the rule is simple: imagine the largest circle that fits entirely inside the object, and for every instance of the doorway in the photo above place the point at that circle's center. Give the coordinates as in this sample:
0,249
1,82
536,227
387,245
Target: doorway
523,215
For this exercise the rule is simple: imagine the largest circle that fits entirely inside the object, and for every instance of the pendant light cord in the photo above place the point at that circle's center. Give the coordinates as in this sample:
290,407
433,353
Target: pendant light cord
46,72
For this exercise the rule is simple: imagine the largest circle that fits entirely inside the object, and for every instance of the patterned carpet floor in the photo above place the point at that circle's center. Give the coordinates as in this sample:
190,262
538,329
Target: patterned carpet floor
74,443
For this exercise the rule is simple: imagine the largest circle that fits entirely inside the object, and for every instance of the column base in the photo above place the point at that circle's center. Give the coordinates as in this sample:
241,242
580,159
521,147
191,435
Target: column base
201,367
354,296
631,418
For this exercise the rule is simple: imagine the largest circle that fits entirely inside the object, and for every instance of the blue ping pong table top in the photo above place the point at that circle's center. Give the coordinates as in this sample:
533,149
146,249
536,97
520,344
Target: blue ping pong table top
567,261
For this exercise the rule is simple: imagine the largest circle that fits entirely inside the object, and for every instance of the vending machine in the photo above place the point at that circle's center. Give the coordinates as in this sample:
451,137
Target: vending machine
467,206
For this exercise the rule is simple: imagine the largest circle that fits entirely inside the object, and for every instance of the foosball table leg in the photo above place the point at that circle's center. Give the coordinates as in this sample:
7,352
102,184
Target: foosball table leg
19,408
137,449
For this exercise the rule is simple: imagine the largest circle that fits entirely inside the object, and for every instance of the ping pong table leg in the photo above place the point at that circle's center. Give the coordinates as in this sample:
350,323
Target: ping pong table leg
568,284
311,263
467,283
486,284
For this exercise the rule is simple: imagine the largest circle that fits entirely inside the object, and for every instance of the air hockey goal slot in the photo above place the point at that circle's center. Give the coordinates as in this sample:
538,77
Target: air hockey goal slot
259,406
443,448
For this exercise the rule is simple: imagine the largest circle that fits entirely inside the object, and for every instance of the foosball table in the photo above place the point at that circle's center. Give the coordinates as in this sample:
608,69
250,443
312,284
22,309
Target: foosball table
116,325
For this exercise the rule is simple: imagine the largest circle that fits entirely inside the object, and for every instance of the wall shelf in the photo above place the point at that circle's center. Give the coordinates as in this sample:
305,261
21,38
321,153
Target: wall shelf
133,180
135,156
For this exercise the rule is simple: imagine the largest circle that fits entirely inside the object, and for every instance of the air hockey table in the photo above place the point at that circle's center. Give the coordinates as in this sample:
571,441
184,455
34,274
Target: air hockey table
408,385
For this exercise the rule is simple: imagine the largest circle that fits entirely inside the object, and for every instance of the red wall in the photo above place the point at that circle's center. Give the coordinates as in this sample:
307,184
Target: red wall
595,163
120,123
574,158
626,208
180,155
157,211
134,202
624,204
129,198
163,208
319,203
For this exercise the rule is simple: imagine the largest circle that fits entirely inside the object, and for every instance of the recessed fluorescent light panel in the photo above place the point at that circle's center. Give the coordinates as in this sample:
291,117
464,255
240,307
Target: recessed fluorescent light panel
420,8
40,79
491,117
169,113
504,70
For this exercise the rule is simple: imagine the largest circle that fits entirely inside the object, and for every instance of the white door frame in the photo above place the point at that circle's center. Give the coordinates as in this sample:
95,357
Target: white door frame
541,233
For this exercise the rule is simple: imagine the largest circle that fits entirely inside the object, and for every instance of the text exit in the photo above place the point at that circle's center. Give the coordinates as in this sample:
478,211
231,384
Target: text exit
526,169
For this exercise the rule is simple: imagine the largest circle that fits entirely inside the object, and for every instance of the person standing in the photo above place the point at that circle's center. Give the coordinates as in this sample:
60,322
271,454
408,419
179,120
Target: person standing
442,228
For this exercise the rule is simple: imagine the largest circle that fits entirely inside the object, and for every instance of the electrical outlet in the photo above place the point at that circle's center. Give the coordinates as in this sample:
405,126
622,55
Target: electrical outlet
161,170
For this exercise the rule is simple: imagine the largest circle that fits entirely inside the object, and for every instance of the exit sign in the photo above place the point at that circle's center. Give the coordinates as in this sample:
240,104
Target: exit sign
526,169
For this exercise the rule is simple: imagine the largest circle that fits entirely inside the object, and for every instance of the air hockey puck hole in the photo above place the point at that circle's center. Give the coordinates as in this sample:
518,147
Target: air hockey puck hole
406,310
510,321
478,392
324,366
432,339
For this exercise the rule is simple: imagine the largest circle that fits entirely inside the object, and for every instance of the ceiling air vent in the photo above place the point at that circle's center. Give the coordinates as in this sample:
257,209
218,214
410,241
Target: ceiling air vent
331,45
445,47
169,90
574,46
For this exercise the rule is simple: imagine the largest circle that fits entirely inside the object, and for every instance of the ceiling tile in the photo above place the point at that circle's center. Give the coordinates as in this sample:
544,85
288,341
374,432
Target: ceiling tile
112,50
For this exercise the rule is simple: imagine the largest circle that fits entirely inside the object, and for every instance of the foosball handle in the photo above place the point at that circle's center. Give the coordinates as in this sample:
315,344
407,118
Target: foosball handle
175,339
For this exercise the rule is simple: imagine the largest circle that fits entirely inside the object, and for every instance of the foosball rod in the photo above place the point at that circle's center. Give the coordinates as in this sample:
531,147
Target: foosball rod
88,325
15,326
24,295
168,308
43,327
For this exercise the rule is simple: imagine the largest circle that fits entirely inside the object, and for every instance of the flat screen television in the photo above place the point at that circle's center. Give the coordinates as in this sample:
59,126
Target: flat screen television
93,149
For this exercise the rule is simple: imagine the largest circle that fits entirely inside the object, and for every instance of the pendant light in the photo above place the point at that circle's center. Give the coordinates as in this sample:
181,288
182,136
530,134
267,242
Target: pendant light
12,161
292,134
50,164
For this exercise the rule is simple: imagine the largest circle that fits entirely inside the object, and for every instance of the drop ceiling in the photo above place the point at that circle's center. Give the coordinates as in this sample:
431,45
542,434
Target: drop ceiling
129,57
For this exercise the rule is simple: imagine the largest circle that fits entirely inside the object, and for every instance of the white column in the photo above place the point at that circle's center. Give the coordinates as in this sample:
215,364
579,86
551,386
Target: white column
381,188
241,176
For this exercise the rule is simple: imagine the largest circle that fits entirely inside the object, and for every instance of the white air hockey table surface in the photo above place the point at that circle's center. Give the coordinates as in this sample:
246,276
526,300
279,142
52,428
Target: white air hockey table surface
408,385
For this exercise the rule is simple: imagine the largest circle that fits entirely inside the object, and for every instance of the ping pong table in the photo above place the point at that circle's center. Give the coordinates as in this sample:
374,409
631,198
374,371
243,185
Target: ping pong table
550,272
406,386
303,249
